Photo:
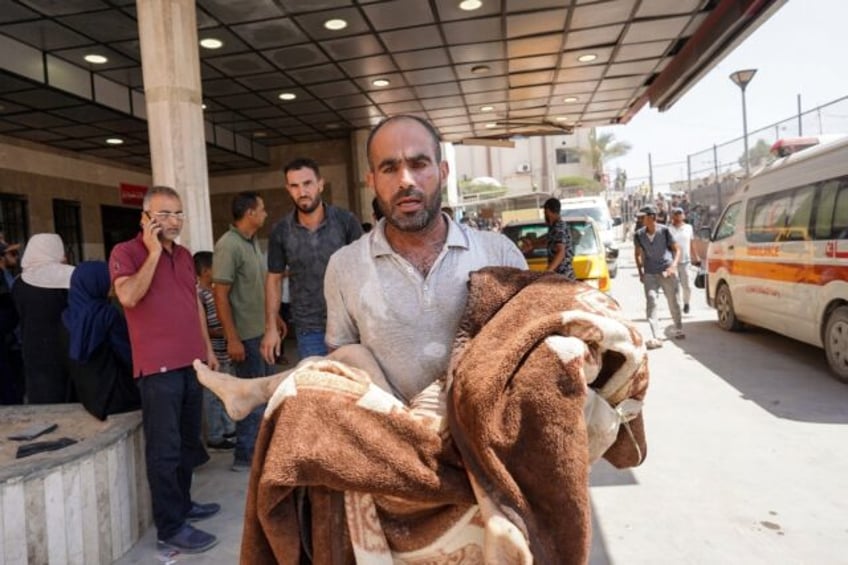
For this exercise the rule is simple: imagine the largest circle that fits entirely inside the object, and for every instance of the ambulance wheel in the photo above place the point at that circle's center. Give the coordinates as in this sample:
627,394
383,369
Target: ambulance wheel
727,319
836,342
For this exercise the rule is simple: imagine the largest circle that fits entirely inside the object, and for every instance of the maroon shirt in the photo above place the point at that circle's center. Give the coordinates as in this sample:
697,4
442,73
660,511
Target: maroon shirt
164,326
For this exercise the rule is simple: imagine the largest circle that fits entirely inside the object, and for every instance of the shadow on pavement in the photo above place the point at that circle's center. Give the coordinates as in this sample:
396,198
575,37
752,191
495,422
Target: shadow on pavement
787,378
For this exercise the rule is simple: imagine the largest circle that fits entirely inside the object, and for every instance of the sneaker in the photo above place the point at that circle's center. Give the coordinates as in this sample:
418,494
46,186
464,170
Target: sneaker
223,445
189,540
240,466
202,511
653,343
685,308
678,334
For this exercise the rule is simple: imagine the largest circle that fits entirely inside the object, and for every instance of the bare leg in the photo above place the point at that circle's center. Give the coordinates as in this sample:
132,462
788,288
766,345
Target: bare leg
241,396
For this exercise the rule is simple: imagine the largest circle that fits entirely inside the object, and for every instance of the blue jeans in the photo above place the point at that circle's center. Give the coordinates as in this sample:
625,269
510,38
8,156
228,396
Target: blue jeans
253,366
310,343
171,411
217,421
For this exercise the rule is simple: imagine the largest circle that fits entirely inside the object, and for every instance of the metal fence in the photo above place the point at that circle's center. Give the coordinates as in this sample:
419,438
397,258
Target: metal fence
714,173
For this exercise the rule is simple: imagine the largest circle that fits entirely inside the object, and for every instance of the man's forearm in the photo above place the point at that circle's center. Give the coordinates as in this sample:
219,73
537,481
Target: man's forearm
130,290
225,313
273,294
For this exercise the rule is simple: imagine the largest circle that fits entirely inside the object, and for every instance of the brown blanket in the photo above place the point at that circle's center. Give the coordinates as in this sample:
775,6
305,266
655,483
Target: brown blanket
505,482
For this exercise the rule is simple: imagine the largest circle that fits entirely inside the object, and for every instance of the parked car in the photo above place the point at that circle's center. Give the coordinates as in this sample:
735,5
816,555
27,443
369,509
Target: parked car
596,208
590,255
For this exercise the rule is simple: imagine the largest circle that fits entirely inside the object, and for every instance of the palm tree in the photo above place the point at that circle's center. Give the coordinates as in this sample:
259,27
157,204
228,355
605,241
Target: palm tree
603,147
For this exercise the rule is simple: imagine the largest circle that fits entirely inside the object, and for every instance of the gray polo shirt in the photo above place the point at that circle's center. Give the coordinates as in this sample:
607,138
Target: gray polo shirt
306,254
656,252
377,298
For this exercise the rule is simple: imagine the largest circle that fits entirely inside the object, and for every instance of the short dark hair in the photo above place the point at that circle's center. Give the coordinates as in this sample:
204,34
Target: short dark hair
552,204
244,201
202,260
431,129
156,190
302,163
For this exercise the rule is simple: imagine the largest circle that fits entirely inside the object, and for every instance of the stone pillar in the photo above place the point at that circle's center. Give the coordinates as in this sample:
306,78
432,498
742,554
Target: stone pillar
359,158
167,30
449,155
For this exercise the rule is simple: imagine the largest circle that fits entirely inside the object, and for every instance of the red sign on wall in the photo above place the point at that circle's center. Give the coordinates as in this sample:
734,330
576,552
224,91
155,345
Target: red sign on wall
132,194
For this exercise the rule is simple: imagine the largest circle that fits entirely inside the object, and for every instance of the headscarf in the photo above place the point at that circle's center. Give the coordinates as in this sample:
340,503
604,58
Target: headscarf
90,317
42,262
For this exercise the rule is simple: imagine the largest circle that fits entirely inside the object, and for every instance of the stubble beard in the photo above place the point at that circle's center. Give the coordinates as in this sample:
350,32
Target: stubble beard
308,208
416,221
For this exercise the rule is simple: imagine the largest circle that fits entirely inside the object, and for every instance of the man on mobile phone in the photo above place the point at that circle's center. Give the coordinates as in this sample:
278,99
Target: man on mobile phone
155,282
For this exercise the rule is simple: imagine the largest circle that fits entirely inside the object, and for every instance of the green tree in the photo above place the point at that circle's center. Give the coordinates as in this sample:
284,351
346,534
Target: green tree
759,155
482,189
572,186
603,147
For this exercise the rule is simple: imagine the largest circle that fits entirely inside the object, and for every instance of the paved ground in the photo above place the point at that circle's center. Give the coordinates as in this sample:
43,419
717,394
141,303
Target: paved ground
747,457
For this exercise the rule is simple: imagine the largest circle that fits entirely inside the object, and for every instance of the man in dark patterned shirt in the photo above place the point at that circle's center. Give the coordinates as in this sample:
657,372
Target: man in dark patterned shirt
560,251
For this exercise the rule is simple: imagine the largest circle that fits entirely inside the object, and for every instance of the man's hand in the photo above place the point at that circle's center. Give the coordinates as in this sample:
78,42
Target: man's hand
235,349
270,346
642,278
212,359
670,272
152,229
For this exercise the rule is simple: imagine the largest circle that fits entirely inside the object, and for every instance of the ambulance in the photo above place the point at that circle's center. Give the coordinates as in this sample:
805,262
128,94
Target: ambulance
778,256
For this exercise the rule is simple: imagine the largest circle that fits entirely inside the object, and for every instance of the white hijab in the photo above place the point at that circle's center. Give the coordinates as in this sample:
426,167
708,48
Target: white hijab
42,265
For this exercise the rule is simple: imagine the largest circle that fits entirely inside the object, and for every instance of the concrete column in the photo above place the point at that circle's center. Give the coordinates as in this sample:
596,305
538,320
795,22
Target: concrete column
171,65
449,155
359,158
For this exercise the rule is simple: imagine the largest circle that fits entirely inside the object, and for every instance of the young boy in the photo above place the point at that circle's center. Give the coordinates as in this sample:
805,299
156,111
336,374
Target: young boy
219,426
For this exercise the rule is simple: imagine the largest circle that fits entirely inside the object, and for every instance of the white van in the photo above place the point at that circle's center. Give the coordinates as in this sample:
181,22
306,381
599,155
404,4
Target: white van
596,208
778,256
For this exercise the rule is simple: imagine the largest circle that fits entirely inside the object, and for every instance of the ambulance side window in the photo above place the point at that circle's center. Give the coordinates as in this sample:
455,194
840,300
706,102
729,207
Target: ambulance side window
831,220
840,212
727,224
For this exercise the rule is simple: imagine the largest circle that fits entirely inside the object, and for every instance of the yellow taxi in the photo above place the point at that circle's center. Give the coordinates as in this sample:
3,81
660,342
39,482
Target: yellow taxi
590,255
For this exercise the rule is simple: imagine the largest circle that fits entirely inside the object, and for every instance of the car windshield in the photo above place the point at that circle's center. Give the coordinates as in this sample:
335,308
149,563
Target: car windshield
593,212
532,239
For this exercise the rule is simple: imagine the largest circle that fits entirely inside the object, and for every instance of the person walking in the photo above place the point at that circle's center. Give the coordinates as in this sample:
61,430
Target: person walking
560,250
155,282
302,243
657,256
682,232
238,274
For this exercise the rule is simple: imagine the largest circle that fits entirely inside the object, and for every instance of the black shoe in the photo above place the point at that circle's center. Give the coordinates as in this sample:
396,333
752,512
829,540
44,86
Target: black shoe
223,445
189,540
202,511
685,308
230,435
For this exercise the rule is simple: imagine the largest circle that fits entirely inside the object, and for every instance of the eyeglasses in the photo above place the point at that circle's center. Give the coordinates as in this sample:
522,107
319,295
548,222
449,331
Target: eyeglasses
164,216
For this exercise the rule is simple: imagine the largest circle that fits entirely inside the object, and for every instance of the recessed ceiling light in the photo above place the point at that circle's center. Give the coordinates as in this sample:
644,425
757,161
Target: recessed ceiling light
260,134
288,96
469,5
587,58
491,126
486,108
332,126
114,141
480,69
335,24
211,43
95,59
568,99
562,118
380,82
203,106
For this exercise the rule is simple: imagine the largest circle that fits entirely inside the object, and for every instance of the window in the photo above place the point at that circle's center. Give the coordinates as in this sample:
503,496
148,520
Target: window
14,218
767,217
840,212
566,156
799,213
727,224
66,222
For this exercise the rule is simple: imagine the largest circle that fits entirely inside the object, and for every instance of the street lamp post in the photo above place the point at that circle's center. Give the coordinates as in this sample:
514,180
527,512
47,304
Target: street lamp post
742,78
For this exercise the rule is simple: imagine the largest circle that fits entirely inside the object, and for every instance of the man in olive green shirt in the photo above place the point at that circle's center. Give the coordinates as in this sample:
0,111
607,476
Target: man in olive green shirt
238,274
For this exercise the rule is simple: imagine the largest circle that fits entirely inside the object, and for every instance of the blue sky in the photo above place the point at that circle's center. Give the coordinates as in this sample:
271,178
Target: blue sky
799,50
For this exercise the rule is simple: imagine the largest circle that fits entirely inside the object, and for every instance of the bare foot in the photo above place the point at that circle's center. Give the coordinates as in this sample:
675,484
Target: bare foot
240,396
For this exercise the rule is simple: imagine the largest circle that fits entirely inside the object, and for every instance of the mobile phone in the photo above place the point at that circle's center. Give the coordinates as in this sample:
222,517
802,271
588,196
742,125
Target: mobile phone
150,217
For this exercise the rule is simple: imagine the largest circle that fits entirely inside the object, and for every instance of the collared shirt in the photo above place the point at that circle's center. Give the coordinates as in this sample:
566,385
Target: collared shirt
407,320
306,254
656,249
219,344
165,332
238,262
559,233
